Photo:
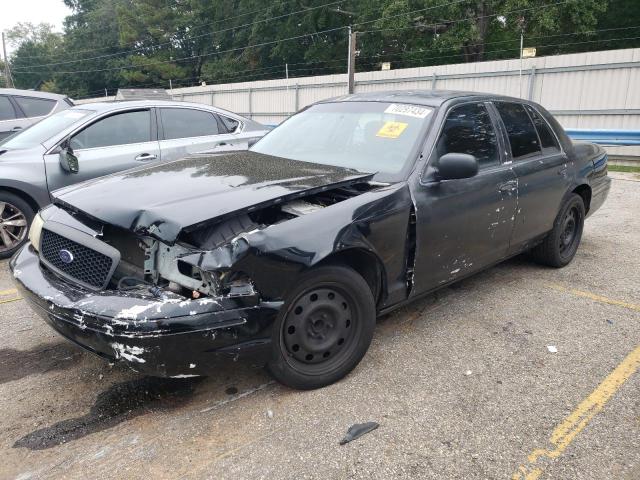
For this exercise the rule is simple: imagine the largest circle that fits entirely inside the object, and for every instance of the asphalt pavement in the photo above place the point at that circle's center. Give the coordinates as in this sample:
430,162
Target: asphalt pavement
464,384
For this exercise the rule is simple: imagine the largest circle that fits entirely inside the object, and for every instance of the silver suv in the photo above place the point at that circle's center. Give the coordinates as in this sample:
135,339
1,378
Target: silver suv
104,138
20,109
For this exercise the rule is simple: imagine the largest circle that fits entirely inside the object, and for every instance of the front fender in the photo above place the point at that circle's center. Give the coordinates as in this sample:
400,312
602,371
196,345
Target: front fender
274,257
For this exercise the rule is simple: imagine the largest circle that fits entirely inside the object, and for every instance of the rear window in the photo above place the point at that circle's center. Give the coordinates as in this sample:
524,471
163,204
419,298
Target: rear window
185,123
522,134
35,107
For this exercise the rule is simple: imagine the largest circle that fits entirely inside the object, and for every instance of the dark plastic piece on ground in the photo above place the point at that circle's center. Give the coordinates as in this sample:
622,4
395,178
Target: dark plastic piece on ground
357,430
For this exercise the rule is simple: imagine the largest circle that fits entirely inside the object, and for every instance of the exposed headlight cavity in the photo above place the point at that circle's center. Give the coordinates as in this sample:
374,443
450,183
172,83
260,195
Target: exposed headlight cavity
35,231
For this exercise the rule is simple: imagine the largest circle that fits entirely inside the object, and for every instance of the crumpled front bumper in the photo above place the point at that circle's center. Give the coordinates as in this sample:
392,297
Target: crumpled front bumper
161,337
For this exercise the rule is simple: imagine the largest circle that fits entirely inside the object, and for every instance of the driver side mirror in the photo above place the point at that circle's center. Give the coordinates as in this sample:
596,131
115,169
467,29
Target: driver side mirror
68,161
452,166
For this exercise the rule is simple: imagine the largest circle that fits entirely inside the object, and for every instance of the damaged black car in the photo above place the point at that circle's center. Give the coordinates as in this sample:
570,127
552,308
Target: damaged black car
289,252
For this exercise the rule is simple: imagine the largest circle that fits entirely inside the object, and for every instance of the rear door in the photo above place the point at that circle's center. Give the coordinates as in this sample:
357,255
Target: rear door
465,224
540,166
185,131
11,118
113,143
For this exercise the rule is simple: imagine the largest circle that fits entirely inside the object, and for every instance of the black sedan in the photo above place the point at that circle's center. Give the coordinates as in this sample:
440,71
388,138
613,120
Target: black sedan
288,253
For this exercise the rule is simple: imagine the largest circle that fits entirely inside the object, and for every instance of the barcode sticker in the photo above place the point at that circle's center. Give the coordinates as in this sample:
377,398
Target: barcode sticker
408,110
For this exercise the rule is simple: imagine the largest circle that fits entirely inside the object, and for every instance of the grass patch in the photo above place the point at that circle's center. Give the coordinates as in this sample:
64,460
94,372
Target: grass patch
623,168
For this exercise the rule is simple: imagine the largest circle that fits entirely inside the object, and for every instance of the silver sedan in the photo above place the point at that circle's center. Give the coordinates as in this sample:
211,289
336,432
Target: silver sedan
104,138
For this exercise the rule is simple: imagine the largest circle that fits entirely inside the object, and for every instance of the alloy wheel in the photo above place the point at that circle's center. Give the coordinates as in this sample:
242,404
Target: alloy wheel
13,226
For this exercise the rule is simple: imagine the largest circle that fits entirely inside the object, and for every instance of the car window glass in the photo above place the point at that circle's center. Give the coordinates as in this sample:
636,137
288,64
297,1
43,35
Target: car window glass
35,107
547,139
6,109
185,123
521,132
468,129
119,129
376,137
229,123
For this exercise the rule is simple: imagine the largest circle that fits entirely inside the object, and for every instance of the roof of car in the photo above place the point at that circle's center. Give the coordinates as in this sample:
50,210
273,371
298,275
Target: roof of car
31,93
430,98
108,106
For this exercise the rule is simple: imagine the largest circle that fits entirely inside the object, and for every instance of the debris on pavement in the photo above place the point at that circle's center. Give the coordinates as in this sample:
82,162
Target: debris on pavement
468,372
552,349
357,430
270,413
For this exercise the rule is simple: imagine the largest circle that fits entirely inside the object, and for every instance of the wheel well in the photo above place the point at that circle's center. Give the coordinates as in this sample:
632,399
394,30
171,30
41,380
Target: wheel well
19,193
585,192
363,262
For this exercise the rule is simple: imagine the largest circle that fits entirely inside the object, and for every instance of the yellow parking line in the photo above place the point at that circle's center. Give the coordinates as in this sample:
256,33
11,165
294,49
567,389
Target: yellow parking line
8,292
10,300
571,426
597,298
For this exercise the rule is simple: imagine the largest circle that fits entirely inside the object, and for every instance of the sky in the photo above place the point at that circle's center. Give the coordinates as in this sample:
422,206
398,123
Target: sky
34,11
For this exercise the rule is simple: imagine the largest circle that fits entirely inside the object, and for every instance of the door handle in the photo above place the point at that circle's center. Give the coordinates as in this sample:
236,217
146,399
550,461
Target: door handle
509,186
15,129
143,157
222,144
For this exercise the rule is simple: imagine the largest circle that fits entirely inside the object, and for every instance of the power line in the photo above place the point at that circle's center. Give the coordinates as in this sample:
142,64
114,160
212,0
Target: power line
199,27
152,46
191,57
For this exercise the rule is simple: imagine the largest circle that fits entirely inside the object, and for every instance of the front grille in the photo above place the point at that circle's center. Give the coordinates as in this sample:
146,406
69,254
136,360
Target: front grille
87,265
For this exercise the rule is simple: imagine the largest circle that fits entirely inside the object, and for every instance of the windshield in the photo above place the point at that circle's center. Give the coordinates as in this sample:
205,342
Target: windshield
373,137
45,129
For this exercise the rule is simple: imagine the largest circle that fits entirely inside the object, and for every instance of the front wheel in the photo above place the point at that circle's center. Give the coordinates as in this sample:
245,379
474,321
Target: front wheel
324,328
561,244
15,218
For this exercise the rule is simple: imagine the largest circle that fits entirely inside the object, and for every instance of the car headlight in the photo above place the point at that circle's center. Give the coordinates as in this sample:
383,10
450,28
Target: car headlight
35,231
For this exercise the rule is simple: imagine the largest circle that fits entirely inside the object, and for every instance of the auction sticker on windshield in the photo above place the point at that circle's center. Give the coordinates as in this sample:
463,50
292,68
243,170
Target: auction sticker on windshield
408,110
392,129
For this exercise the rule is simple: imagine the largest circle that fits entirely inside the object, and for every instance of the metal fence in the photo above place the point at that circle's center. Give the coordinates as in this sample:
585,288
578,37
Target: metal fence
594,90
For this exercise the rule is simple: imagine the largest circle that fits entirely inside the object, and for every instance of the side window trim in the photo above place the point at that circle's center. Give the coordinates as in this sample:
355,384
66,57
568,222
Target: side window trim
528,156
497,125
493,124
180,107
551,129
109,115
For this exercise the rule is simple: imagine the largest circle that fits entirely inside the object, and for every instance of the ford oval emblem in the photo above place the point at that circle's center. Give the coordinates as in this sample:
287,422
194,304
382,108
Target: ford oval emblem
66,256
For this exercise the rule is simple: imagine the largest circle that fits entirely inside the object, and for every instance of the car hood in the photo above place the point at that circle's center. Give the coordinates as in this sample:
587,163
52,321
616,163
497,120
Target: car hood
8,155
164,199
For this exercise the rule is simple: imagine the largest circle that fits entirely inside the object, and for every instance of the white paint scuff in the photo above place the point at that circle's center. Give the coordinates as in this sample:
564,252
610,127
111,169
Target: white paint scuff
128,352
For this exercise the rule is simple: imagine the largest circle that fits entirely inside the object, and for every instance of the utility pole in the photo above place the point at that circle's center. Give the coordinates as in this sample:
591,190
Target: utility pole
286,70
351,60
7,71
520,74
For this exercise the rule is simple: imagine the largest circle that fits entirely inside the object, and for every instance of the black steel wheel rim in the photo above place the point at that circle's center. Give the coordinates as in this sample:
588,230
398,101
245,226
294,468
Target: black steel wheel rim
320,330
13,226
570,230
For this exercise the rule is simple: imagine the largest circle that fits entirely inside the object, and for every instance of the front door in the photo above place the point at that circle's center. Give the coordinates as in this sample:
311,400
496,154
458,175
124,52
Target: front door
111,144
464,225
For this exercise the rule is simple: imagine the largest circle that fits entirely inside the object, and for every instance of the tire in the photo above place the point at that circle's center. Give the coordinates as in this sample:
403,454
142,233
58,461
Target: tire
323,329
561,244
15,210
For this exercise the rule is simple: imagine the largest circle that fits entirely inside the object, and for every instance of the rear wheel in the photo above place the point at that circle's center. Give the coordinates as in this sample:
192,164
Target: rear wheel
561,244
324,328
15,218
